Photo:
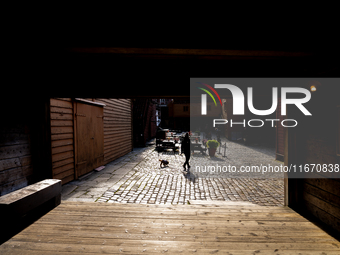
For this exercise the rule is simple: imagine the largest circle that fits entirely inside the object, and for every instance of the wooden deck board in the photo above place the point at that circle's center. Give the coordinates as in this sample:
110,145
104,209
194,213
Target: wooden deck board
81,228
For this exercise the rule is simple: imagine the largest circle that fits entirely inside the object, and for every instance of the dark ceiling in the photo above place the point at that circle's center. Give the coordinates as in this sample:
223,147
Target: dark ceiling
136,67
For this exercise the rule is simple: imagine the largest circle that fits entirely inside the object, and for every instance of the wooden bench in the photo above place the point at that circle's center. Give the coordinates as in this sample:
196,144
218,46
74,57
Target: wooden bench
22,206
20,202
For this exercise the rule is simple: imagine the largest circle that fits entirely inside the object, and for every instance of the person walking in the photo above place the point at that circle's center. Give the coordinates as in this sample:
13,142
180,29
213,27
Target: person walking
186,149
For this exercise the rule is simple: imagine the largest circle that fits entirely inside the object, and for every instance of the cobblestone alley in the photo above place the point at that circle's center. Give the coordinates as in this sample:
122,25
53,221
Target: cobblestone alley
138,178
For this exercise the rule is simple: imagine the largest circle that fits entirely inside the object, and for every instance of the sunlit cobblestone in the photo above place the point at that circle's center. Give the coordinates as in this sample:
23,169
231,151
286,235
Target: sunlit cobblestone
138,178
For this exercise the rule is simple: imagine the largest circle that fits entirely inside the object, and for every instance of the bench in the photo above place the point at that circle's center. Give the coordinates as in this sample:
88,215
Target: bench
23,205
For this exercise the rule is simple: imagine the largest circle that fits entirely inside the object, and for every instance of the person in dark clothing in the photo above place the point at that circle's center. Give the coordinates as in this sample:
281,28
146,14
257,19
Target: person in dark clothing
186,144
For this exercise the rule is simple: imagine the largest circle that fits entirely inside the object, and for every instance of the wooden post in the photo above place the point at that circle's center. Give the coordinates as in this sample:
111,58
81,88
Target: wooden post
293,157
75,138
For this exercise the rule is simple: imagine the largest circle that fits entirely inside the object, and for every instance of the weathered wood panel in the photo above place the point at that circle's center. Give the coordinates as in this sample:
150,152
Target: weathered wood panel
16,169
91,228
15,173
89,137
61,130
63,162
59,110
62,143
56,137
64,174
63,168
117,125
61,103
114,153
117,128
320,196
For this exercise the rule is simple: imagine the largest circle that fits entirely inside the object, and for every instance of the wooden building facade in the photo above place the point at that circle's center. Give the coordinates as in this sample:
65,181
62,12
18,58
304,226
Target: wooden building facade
145,121
22,137
61,138
315,141
94,64
16,167
88,133
180,114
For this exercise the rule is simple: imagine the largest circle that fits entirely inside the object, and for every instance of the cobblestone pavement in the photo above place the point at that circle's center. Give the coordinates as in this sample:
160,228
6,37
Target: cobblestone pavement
138,178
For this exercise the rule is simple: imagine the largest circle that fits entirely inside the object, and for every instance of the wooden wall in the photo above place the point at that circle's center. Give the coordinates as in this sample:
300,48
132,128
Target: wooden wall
21,137
117,128
117,133
321,196
62,142
144,120
16,168
317,194
37,139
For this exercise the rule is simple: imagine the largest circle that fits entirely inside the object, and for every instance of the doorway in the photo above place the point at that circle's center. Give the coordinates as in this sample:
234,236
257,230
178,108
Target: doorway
89,136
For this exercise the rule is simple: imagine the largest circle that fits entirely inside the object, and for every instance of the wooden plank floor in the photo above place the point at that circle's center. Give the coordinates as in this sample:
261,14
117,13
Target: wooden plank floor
92,228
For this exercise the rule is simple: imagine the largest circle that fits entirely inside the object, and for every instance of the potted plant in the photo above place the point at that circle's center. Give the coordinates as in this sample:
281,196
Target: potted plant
212,145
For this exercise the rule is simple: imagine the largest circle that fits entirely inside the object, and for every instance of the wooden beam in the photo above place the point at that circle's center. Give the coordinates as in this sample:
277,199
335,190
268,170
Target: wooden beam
21,201
187,52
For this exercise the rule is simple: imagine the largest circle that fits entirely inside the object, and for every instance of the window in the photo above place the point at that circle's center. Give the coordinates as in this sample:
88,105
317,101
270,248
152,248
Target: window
185,108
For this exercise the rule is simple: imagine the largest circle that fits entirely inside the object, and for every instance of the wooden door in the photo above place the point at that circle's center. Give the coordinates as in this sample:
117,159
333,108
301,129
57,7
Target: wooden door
90,137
